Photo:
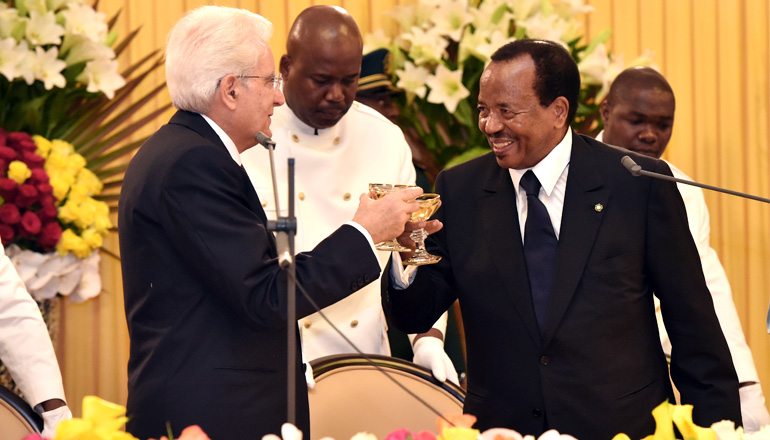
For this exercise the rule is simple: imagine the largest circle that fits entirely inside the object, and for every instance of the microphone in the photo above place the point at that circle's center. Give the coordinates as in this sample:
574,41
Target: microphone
636,170
263,140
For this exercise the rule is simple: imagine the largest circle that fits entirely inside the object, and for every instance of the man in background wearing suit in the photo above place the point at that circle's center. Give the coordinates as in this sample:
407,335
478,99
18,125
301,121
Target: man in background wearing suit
205,298
556,281
638,114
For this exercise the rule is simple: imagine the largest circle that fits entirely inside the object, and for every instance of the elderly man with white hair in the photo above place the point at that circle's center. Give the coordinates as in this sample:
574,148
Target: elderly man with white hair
205,298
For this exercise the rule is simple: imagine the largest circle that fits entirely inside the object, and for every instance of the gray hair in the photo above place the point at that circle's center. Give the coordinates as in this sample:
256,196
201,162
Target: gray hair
207,44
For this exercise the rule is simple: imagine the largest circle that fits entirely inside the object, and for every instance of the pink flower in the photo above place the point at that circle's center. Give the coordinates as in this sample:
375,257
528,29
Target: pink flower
30,224
50,234
193,432
35,436
400,434
6,234
9,214
424,435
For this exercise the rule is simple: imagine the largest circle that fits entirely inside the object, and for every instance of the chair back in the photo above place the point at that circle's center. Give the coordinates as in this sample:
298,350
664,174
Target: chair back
17,418
353,395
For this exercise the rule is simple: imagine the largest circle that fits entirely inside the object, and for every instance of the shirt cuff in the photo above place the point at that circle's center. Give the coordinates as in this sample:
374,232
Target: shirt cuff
401,278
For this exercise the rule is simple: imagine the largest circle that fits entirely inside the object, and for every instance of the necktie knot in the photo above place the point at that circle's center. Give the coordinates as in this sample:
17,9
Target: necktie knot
530,183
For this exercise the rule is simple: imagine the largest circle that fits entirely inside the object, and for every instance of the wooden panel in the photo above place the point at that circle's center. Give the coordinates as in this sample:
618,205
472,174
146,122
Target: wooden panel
625,23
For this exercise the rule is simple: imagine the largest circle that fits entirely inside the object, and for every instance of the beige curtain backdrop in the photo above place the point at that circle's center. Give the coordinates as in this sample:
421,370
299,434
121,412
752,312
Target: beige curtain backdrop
714,53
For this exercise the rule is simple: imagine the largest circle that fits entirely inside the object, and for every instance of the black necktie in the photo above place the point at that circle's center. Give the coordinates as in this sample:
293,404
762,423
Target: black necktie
539,247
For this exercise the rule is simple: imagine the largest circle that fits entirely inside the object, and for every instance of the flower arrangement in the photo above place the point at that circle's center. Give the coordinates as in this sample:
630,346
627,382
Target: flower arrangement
441,52
65,127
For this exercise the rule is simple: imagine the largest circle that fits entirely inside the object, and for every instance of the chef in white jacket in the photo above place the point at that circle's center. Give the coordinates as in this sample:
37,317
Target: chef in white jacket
26,349
340,146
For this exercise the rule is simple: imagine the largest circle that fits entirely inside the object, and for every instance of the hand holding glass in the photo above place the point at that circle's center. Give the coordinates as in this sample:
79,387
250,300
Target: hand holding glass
429,203
379,190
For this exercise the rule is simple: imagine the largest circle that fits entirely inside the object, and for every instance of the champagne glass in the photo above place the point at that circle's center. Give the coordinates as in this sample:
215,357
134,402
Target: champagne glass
429,203
379,190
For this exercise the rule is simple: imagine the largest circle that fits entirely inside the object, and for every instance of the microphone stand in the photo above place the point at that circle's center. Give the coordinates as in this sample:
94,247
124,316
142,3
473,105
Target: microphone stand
636,170
285,229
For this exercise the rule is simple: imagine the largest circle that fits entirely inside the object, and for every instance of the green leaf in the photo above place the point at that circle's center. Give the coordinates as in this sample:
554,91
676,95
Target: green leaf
467,155
464,114
601,38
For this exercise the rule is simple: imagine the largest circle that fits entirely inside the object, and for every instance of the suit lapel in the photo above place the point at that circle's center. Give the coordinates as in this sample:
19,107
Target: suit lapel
497,200
584,201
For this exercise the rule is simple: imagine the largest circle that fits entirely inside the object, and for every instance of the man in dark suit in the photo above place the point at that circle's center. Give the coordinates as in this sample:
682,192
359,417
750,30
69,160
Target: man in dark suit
562,335
205,298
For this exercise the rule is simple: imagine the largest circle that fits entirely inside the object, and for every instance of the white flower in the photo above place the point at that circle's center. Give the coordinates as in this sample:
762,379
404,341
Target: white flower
90,284
450,18
549,27
102,76
363,436
523,9
49,274
376,40
594,65
505,433
725,430
288,432
9,18
11,57
425,46
553,434
37,6
412,79
84,20
496,40
569,9
42,29
78,48
48,68
490,16
470,43
447,87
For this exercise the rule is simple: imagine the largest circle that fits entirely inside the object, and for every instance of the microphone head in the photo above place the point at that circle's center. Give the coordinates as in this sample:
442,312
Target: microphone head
263,140
631,166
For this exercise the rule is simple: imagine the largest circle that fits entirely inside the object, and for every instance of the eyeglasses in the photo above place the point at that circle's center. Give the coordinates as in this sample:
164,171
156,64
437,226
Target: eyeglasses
276,80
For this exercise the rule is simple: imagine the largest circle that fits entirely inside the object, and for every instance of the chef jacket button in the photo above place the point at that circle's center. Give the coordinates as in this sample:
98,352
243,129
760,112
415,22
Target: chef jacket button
354,323
301,196
346,197
336,140
544,360
295,138
264,203
307,323
537,412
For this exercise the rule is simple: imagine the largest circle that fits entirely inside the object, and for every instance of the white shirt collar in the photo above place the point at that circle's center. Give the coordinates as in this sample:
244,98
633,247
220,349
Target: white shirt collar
550,168
229,144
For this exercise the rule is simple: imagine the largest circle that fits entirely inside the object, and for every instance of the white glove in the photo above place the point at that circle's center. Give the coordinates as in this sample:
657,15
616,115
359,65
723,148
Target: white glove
309,376
753,410
52,418
429,353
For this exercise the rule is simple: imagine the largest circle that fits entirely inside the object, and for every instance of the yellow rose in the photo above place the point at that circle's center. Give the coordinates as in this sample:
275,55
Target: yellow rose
69,212
682,416
75,163
86,213
43,145
18,171
70,242
89,181
54,163
93,238
61,148
102,220
459,433
77,193
61,184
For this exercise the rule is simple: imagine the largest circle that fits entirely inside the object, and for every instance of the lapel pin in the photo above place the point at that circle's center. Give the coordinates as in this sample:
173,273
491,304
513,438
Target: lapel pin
598,207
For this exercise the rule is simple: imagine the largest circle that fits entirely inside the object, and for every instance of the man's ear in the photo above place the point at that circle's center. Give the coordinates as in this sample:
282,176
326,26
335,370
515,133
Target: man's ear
227,92
604,110
284,66
560,107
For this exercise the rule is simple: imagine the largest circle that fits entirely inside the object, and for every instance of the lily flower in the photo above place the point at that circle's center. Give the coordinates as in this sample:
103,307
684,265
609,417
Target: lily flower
48,68
412,79
102,76
447,87
42,29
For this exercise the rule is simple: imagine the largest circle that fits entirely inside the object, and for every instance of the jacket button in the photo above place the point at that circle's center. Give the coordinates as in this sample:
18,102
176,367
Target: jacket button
354,323
544,360
295,138
307,323
346,197
264,203
301,196
336,140
537,412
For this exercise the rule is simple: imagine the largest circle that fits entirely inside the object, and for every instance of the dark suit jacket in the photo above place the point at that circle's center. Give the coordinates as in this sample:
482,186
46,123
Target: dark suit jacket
598,368
205,299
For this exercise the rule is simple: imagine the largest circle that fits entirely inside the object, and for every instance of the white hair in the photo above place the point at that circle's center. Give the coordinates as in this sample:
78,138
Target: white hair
205,45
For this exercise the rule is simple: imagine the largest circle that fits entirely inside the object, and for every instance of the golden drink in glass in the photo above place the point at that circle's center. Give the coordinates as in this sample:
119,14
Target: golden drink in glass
429,203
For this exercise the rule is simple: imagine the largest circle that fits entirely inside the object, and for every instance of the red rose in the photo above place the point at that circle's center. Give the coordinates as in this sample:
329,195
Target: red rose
30,224
39,175
47,213
20,140
44,188
8,154
3,165
7,184
9,214
27,195
6,234
32,160
49,235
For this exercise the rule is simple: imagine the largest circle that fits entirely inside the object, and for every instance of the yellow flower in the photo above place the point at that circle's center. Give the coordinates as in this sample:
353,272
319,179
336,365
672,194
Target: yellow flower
77,193
101,420
68,212
459,433
70,242
621,436
60,182
18,171
43,145
89,181
682,415
93,238
61,148
75,163
664,427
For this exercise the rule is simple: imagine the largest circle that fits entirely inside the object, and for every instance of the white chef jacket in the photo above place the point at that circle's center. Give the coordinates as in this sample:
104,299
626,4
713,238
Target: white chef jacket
25,347
333,167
